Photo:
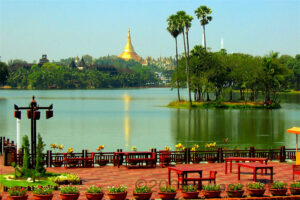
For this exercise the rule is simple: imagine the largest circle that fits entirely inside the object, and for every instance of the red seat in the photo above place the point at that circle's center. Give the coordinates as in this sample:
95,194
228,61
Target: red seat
296,170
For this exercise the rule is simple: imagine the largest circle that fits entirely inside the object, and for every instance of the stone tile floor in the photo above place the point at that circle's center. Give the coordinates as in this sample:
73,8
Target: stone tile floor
109,175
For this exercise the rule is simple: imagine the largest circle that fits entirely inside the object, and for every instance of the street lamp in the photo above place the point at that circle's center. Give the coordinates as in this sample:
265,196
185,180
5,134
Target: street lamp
33,113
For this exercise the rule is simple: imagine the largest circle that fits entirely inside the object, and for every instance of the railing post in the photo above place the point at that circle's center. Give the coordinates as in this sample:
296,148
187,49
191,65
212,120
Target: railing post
1,146
186,159
251,152
282,154
220,155
51,158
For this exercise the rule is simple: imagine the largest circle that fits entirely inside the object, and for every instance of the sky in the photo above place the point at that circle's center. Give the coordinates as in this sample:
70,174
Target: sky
69,28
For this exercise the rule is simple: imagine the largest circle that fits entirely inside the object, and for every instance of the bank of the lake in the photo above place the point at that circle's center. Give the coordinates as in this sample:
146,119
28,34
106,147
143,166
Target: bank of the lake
224,105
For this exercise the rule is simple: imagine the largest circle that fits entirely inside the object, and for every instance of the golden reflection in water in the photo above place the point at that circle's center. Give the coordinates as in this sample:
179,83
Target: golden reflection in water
126,99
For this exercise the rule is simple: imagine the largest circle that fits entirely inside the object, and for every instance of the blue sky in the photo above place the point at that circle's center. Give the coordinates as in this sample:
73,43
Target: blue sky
65,28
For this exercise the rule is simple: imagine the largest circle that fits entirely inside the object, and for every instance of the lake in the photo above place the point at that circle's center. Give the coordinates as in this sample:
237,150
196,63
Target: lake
121,118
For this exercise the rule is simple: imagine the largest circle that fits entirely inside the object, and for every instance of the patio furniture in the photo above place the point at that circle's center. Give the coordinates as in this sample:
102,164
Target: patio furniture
164,158
83,161
243,159
210,179
255,167
296,170
182,172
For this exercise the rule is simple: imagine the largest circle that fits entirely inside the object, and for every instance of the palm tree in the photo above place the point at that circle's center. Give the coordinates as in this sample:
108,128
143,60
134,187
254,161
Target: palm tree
203,13
185,22
174,30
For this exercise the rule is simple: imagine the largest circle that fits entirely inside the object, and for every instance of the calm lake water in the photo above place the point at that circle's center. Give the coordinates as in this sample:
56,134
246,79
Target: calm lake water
121,118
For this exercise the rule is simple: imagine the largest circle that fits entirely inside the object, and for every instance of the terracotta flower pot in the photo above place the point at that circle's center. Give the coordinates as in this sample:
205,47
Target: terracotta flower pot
142,196
211,194
211,159
57,163
69,196
256,192
42,197
167,195
278,192
94,196
295,191
235,193
117,196
190,195
17,197
101,162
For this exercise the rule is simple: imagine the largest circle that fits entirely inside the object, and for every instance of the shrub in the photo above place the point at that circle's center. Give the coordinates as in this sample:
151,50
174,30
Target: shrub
17,191
256,185
43,190
212,187
39,156
117,189
295,185
142,189
94,189
189,188
235,187
167,189
69,190
278,185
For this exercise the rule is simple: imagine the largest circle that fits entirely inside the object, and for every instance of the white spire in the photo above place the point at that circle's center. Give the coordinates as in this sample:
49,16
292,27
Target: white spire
222,43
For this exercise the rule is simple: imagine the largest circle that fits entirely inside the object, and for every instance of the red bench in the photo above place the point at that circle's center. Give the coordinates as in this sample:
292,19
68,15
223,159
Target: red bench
84,161
296,170
255,167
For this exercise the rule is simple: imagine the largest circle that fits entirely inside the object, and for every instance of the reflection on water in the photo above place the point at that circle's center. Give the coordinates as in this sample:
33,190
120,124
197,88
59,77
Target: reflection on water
243,128
127,99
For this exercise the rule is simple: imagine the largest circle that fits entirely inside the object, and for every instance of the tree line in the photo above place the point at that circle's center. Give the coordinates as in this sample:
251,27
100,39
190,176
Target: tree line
204,72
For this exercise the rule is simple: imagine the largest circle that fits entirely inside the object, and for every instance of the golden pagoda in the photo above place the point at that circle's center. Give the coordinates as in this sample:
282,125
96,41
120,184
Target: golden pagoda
129,52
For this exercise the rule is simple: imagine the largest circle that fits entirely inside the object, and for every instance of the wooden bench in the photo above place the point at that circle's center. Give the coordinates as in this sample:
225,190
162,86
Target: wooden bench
138,158
211,178
84,161
296,170
255,167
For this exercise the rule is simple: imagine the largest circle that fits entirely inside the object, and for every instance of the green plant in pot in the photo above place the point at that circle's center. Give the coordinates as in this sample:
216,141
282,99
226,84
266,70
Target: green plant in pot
69,192
17,193
195,157
142,193
211,147
179,155
190,192
43,193
167,192
117,192
101,161
278,188
57,162
295,188
256,189
94,193
235,190
211,190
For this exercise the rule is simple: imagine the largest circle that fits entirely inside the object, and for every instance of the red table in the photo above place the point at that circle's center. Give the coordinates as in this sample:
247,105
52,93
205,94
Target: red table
255,167
183,170
243,159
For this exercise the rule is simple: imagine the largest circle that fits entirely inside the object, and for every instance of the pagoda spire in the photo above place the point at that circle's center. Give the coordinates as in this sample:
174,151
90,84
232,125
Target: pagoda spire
129,52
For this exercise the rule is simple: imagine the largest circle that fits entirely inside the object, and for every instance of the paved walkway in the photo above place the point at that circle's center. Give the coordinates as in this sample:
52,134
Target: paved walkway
109,175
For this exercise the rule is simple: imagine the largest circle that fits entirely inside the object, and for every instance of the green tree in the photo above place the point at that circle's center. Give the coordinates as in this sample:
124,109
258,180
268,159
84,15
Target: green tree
175,29
26,158
39,167
203,13
3,73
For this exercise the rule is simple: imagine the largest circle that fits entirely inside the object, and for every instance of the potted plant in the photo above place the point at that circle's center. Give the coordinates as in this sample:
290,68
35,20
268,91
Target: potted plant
295,188
100,161
256,189
42,193
195,156
190,192
142,193
133,148
57,162
165,156
94,193
235,190
17,193
211,147
167,192
278,188
69,192
73,163
211,191
117,192
179,156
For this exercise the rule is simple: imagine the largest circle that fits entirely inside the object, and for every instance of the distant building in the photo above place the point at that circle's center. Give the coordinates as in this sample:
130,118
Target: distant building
82,65
43,60
73,65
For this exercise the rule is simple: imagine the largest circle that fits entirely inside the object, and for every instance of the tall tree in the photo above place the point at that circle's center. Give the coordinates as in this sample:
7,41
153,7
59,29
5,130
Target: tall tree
203,13
175,29
185,22
3,73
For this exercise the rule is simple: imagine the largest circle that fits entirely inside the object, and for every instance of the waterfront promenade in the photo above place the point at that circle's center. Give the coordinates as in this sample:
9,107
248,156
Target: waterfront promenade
109,175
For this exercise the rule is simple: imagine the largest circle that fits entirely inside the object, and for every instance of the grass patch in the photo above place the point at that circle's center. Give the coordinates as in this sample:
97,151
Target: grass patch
23,182
223,105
